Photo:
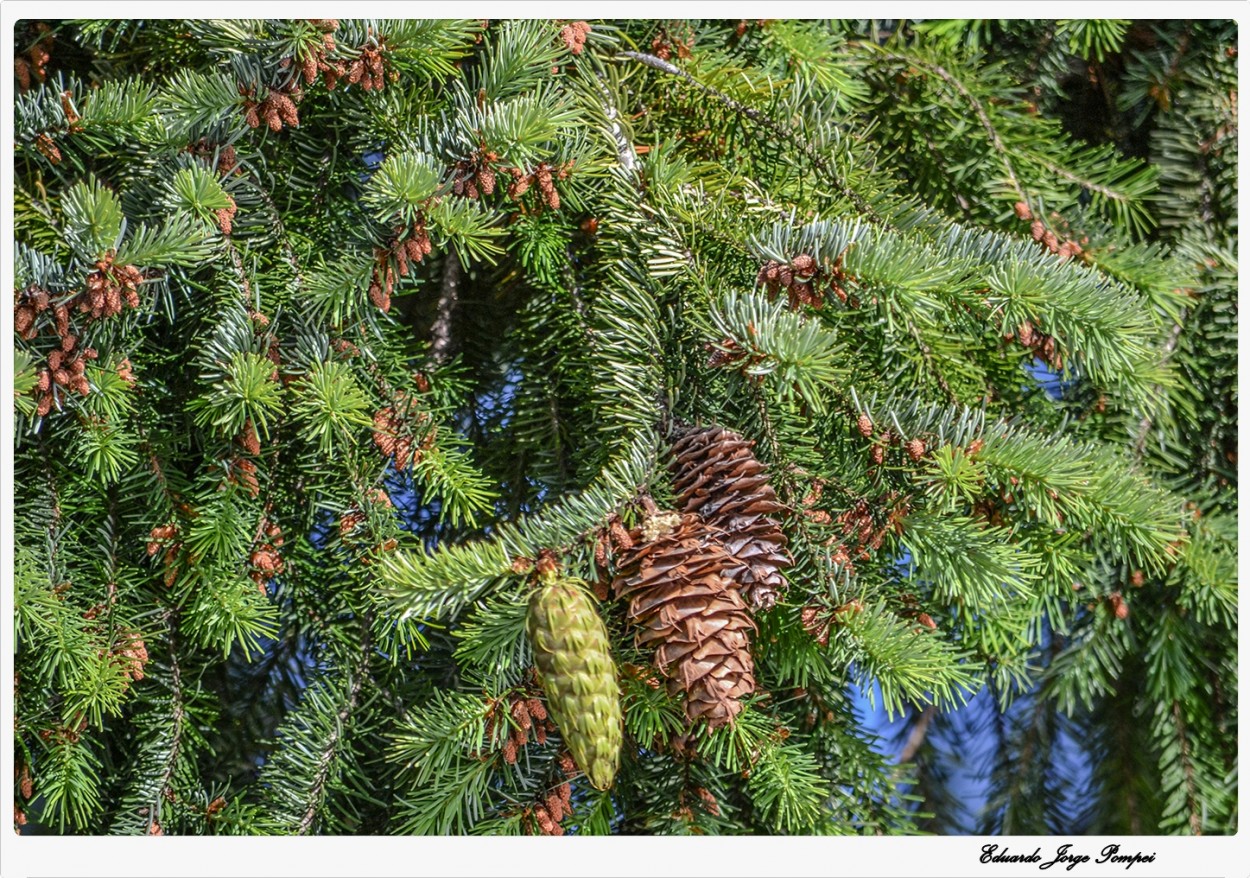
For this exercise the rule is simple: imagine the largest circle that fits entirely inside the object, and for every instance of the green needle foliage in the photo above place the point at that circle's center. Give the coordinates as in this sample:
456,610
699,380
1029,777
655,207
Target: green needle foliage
331,334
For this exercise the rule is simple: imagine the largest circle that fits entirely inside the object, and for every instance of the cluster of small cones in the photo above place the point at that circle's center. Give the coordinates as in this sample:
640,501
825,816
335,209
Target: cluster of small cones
276,110
355,515
915,446
1065,249
265,560
1042,345
693,578
131,653
47,148
475,177
803,280
72,120
225,216
863,532
543,178
409,245
25,790
528,716
370,69
697,797
860,530
394,431
745,24
109,290
676,38
33,67
164,538
557,804
127,651
1118,605
817,619
67,370
314,59
574,36
241,471
227,158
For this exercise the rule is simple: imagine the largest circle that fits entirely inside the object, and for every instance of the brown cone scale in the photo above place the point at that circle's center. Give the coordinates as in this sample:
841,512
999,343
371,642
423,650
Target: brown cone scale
717,476
684,602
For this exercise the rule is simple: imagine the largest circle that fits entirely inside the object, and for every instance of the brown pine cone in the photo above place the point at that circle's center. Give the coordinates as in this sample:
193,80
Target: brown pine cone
684,603
718,477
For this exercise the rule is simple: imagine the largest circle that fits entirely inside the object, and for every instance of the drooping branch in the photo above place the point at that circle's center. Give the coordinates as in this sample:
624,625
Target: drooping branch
781,131
979,109
164,790
327,756
1143,428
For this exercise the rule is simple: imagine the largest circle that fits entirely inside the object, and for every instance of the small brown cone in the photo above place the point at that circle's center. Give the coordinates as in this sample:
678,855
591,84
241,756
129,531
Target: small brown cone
684,603
719,478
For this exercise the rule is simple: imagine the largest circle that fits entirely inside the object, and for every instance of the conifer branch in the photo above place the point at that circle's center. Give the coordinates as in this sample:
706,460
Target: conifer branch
164,789
781,131
326,758
1142,433
977,107
1193,808
780,264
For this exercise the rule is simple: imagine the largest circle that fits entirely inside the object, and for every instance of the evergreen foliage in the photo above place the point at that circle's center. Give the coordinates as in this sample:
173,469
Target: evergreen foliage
331,335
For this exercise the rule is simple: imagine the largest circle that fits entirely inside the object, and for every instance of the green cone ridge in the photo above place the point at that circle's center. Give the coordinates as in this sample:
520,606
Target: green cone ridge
575,663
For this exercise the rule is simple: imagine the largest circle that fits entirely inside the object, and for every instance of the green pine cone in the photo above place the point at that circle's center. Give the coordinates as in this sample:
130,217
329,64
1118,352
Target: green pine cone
575,663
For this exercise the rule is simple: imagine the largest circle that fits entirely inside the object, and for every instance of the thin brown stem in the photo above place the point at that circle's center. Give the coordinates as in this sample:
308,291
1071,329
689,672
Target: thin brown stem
918,732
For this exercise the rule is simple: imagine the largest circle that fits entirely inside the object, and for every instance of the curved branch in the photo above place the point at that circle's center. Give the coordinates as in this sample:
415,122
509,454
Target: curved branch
768,122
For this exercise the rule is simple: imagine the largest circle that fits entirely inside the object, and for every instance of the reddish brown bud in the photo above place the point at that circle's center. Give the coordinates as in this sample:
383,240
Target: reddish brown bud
803,265
1119,605
521,715
547,564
